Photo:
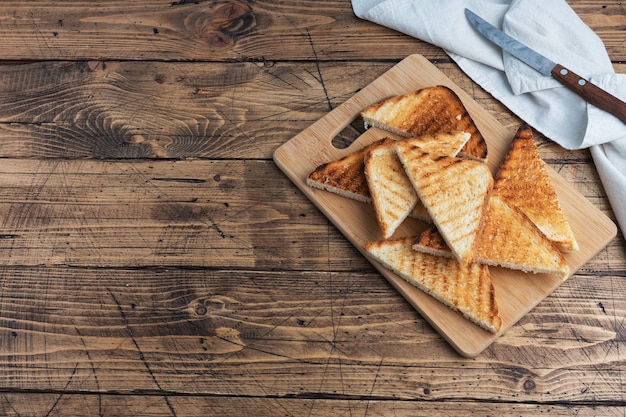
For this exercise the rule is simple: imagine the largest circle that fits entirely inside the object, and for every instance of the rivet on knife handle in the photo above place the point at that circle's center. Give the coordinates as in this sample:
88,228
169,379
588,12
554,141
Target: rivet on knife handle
590,92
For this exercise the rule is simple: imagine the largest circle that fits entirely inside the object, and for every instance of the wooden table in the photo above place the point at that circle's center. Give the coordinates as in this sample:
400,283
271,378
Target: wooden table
155,261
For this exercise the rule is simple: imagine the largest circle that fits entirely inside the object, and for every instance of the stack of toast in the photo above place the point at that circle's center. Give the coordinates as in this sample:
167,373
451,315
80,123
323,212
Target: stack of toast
437,173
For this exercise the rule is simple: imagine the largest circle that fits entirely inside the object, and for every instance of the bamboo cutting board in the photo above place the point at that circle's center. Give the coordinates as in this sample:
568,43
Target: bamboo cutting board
517,293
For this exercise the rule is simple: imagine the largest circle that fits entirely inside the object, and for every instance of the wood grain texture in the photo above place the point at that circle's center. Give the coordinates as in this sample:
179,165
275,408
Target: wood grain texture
228,30
181,332
590,92
163,110
145,110
202,30
192,406
123,110
155,261
185,214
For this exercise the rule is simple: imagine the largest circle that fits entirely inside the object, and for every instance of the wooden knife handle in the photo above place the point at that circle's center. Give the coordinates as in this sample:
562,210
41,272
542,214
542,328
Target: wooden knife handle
590,92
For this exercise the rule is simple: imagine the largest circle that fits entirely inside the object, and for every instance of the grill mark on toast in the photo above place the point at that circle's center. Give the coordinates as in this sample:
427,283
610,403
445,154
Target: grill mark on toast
456,286
345,175
440,180
393,195
508,239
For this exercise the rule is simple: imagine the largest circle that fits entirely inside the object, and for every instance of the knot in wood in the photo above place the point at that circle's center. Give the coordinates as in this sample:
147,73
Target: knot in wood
201,310
218,27
230,11
529,385
217,39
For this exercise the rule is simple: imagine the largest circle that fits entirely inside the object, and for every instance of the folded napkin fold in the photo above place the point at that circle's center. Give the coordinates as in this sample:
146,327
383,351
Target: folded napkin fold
553,29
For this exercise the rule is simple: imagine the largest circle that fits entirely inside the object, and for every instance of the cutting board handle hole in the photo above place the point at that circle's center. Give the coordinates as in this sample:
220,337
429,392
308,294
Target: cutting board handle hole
349,134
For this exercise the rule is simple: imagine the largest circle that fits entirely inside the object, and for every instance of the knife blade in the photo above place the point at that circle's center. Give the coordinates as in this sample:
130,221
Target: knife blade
579,85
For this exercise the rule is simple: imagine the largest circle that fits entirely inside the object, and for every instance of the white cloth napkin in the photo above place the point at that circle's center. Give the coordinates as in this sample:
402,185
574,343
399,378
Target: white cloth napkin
553,29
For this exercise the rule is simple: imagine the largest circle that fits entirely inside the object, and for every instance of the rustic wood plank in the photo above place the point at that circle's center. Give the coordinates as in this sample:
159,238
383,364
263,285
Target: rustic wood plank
237,110
131,110
311,335
161,214
59,404
101,110
231,30
201,30
202,213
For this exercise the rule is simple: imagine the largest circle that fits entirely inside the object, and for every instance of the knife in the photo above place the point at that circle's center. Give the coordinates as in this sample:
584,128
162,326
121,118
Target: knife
585,89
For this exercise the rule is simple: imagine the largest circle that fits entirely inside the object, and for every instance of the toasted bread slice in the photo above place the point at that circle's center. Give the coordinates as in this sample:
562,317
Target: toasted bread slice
466,288
425,112
508,239
391,190
345,176
455,192
523,181
431,242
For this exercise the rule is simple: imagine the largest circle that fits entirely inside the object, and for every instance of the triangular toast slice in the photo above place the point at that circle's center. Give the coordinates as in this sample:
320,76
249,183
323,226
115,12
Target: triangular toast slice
455,192
346,175
391,190
465,288
523,181
425,112
508,239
